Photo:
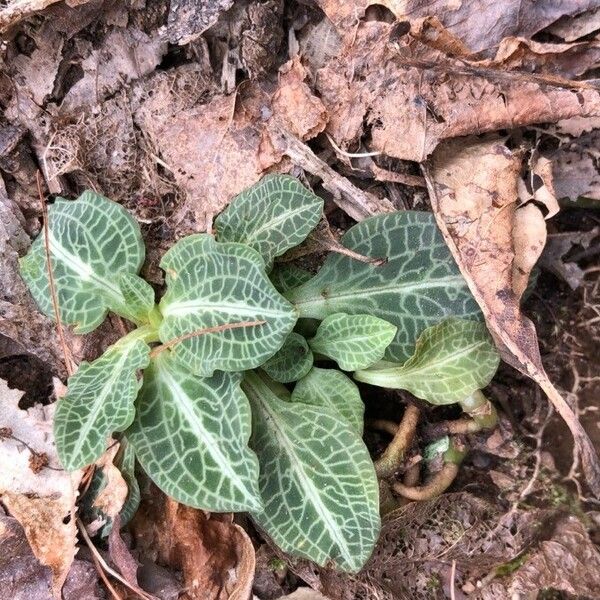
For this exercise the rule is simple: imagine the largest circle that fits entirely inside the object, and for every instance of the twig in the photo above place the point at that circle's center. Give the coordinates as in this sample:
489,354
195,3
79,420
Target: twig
357,203
351,154
434,431
107,568
59,327
104,578
387,464
203,331
452,577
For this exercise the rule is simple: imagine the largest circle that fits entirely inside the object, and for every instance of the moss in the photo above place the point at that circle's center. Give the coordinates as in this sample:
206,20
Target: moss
511,566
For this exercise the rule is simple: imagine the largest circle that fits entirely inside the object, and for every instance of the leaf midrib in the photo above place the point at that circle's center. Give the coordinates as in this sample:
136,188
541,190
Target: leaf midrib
210,443
99,404
180,309
411,371
83,270
272,223
378,290
305,482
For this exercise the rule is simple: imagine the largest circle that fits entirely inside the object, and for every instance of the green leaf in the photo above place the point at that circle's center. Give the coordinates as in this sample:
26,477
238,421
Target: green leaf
272,216
317,480
211,285
353,341
333,389
92,241
99,401
126,463
287,276
190,435
418,286
451,361
138,295
291,362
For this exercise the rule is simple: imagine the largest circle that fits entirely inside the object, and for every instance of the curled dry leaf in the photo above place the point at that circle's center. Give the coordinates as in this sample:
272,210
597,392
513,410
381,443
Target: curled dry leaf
409,95
215,555
41,499
111,498
473,191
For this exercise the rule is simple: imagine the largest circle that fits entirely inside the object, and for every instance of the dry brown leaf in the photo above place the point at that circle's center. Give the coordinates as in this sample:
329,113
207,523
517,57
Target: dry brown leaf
567,561
217,149
23,577
575,167
111,498
576,27
215,555
564,60
15,11
409,96
44,501
529,239
473,190
480,24
188,19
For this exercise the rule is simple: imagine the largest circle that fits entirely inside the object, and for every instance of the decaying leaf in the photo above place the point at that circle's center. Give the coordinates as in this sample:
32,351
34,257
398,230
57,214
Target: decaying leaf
481,24
14,11
568,561
473,191
22,576
111,498
33,486
575,166
409,95
215,555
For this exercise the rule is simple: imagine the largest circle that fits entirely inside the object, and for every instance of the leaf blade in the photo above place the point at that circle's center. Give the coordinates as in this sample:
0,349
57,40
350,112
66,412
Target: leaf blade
314,469
99,401
331,388
190,435
272,216
91,240
291,362
222,285
451,361
353,341
417,287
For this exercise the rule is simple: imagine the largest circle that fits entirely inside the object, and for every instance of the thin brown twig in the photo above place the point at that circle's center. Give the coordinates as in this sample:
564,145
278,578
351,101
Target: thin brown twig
59,327
452,578
136,590
203,331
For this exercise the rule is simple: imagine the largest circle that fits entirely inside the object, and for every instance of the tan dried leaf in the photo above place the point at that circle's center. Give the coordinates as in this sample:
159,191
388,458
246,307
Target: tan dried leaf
43,502
15,11
111,498
473,190
410,95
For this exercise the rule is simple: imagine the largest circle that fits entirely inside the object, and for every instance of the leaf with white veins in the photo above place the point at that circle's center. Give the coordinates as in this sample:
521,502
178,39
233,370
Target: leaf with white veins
272,216
213,285
190,435
353,341
317,481
418,286
291,362
92,240
451,361
99,401
331,388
